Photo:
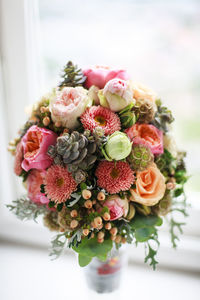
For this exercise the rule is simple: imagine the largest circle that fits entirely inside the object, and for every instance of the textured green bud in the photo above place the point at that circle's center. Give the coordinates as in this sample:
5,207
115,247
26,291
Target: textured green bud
128,119
140,157
118,146
131,212
143,209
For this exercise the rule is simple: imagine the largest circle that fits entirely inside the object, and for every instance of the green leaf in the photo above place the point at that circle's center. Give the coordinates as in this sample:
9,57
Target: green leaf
91,248
59,206
144,222
51,204
144,234
84,260
178,192
57,245
83,186
42,190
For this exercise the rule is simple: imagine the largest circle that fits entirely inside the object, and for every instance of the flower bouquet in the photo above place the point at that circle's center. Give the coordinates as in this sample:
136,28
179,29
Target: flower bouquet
100,166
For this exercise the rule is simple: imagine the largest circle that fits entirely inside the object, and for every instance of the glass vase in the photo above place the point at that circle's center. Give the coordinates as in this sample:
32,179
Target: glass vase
105,277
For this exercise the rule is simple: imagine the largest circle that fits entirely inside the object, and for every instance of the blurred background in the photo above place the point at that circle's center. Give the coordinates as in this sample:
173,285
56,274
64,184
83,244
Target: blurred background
158,42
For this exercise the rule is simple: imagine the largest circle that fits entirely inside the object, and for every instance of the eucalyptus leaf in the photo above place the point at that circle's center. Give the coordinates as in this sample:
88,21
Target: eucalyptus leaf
91,248
143,221
84,260
144,234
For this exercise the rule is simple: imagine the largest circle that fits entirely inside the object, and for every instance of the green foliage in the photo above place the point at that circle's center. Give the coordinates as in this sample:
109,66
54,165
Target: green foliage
145,231
57,245
127,116
25,209
90,248
75,239
163,117
179,206
151,253
84,260
75,198
145,222
24,175
166,163
42,190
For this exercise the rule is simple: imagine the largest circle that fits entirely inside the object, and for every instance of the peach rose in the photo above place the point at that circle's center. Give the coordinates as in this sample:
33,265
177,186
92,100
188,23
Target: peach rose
34,181
99,76
148,135
35,144
142,92
150,186
18,159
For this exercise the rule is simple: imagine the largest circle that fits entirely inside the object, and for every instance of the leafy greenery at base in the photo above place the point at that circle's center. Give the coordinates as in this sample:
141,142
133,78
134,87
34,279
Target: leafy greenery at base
89,248
25,209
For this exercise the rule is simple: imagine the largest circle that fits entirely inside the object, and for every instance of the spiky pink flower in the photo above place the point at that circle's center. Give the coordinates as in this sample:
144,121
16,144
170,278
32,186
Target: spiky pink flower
59,184
98,116
18,159
114,177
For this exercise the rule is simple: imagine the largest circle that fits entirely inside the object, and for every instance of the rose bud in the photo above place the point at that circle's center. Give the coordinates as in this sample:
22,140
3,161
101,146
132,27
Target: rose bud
117,207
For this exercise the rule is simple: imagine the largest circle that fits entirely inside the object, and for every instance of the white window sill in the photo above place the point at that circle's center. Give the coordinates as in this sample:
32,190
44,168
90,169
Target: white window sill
29,274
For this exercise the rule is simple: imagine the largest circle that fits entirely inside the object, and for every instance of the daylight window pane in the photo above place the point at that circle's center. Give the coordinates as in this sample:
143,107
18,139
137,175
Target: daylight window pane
158,42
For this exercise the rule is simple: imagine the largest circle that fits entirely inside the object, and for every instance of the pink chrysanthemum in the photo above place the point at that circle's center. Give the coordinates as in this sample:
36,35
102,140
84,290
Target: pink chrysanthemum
114,177
59,184
18,159
98,116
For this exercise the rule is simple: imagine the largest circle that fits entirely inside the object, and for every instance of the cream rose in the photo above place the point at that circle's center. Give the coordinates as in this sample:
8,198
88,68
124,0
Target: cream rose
142,92
68,105
170,144
150,186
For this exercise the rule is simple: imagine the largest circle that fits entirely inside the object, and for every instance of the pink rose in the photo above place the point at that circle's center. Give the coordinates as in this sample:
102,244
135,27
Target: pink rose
18,159
147,135
99,76
34,181
118,207
35,144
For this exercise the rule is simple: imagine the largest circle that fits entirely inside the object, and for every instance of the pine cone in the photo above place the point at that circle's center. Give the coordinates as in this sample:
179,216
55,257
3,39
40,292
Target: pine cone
51,221
72,76
140,158
144,110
